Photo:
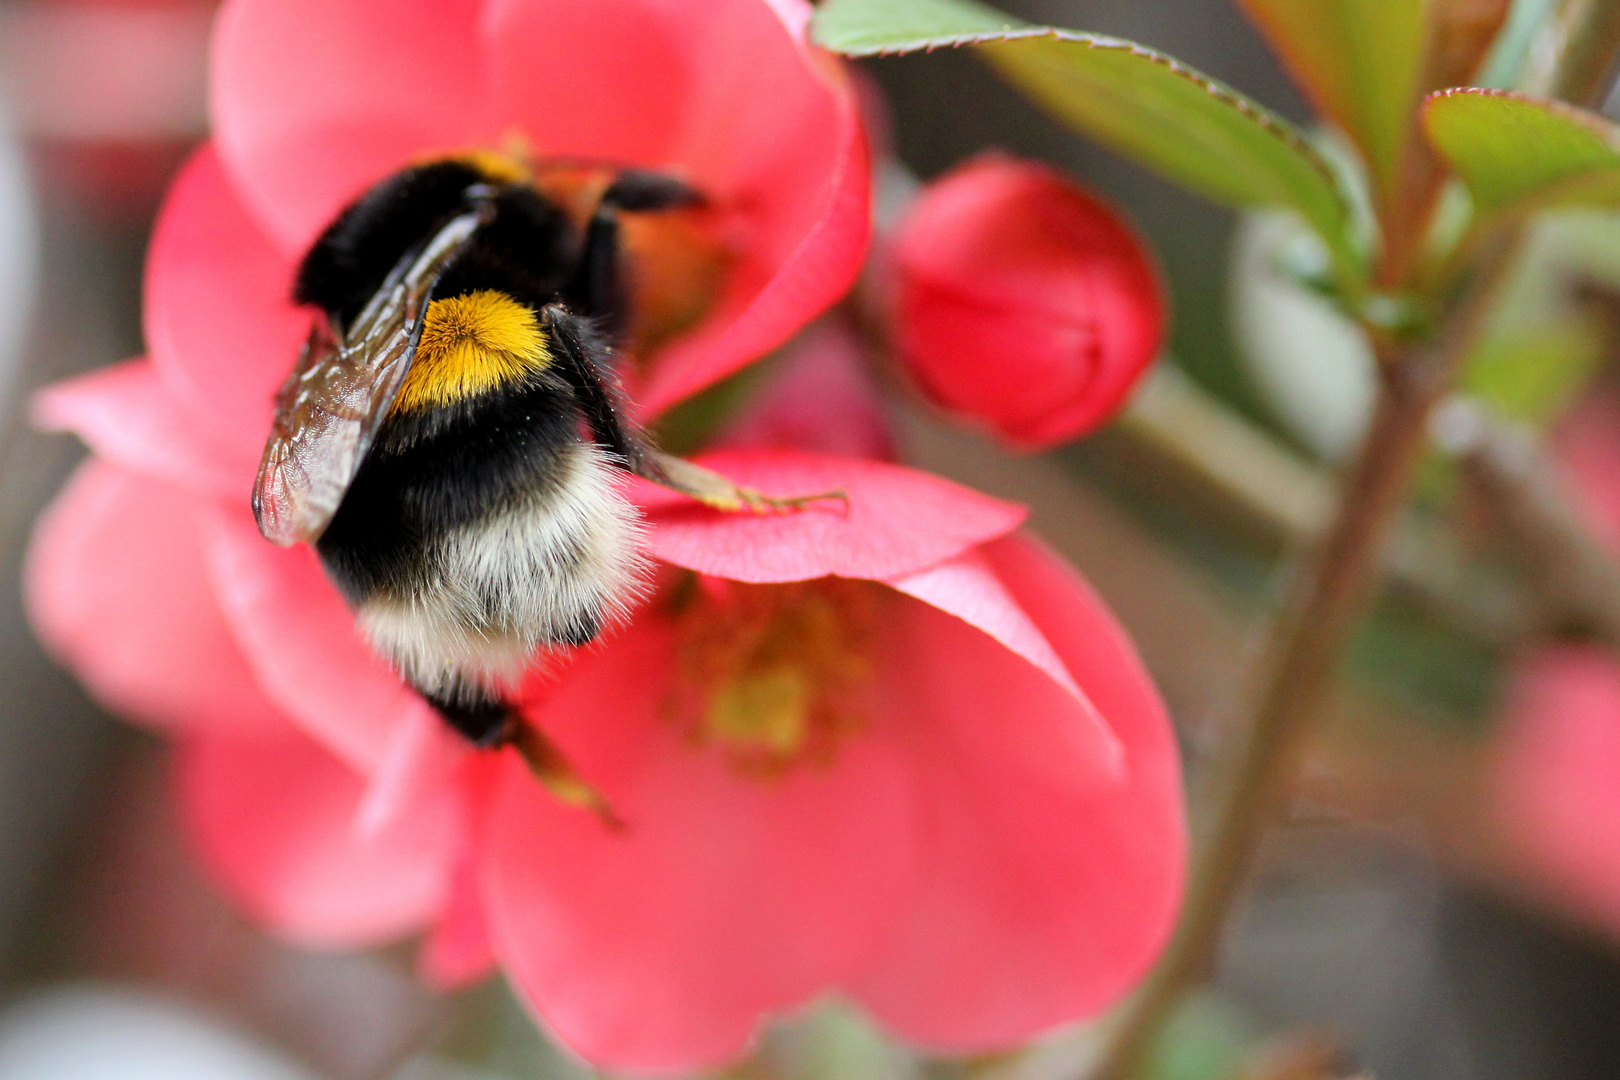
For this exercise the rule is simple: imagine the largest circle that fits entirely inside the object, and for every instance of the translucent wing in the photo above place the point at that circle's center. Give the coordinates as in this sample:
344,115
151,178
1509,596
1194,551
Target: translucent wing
328,411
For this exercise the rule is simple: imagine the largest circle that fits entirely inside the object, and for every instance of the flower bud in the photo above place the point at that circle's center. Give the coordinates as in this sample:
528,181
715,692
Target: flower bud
1022,303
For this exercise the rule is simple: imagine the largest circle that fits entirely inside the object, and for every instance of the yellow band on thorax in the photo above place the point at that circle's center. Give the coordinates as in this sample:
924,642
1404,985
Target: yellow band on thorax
470,345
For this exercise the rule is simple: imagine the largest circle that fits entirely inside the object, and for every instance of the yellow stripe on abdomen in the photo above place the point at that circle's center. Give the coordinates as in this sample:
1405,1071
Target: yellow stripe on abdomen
470,345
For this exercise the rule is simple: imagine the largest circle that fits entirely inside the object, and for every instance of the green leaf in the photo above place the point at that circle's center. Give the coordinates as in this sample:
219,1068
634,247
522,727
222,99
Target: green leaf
1533,376
1540,346
1360,62
1518,154
1138,102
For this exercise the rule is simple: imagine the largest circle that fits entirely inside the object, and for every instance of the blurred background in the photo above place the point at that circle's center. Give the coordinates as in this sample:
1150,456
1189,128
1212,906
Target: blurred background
1393,922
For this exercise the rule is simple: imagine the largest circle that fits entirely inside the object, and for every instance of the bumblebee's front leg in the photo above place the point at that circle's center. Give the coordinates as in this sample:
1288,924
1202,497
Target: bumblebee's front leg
586,362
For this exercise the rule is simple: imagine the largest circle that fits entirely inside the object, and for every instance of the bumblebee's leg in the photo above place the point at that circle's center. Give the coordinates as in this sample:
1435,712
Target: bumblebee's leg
586,361
597,289
491,723
484,719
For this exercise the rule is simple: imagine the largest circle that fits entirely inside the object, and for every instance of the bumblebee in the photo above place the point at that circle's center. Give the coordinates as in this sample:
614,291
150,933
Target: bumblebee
450,435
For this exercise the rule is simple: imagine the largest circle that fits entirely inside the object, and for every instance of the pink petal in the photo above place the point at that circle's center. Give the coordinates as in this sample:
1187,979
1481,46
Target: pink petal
822,399
897,521
657,948
316,100
794,270
301,640
420,758
625,68
1046,891
1558,775
117,589
274,819
968,588
727,93
219,316
129,417
458,952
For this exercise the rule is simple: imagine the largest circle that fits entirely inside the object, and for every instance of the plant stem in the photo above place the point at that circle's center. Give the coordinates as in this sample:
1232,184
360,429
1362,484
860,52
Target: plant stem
1298,669
1302,656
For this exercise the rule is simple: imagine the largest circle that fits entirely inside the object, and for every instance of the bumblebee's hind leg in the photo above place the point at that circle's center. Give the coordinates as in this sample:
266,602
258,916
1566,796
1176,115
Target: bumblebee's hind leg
485,719
597,290
490,723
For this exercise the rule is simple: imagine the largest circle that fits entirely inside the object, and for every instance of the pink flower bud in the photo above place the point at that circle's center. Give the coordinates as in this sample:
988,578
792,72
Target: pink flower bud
1022,302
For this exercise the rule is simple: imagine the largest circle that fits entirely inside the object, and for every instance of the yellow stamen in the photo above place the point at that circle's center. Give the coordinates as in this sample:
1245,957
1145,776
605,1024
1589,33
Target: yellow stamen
472,344
776,675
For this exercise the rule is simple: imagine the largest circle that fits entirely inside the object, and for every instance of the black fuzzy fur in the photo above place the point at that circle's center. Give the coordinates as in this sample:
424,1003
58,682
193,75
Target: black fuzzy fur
432,470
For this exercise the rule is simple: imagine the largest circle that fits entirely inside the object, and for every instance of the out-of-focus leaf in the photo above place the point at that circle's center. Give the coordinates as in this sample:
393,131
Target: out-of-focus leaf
1207,1039
1540,348
1140,103
1365,65
1518,154
1534,375
1359,61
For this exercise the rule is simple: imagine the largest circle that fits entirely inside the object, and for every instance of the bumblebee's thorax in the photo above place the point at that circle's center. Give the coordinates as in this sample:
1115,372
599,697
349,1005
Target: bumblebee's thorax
472,345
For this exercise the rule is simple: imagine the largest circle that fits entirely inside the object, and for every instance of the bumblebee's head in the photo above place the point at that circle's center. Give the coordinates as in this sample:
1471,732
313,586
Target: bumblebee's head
471,345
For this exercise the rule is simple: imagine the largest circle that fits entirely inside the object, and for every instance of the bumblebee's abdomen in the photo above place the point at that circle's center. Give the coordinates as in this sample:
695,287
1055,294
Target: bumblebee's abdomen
476,534
548,569
434,470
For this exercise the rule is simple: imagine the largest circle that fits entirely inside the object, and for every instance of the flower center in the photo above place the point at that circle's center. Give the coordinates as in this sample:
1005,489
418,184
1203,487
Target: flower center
775,675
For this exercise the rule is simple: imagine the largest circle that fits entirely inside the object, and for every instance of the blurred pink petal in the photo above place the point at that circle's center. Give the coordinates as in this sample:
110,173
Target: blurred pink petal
315,100
821,401
129,417
220,322
1557,774
657,949
421,757
150,645
302,642
897,521
1045,892
274,818
543,52
458,952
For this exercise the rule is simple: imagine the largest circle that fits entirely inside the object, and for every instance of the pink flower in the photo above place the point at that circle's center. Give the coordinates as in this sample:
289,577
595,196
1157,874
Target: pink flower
1023,303
900,752
895,750
1557,782
1556,758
